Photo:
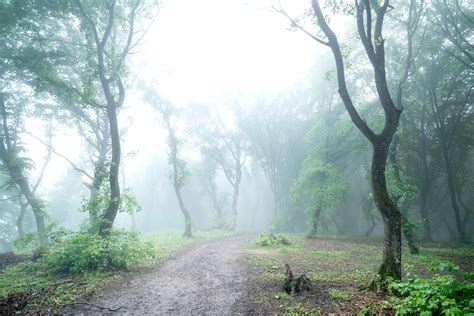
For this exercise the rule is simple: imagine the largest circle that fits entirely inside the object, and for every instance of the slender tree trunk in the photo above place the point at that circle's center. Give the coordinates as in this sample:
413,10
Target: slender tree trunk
212,191
17,174
21,217
177,183
235,196
314,223
275,201
218,209
425,215
235,199
408,228
452,192
94,191
187,217
98,174
114,203
371,227
426,185
36,207
392,255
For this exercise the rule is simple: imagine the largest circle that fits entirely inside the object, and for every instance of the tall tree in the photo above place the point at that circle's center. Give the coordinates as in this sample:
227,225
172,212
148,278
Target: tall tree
179,170
110,29
370,31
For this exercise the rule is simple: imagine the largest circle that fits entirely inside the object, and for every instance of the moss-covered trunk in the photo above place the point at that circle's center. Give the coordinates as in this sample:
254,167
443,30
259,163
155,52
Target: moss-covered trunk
392,254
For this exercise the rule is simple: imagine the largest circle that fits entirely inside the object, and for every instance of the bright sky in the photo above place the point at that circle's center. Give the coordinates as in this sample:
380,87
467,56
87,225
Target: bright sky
206,51
209,49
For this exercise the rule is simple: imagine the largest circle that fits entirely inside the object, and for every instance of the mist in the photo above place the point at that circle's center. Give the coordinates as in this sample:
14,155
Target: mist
243,126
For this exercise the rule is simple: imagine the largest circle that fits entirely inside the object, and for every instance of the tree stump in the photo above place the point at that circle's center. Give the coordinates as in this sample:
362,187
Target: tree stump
295,285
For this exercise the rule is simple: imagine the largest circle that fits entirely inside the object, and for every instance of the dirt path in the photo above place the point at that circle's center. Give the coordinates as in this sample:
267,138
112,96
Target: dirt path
210,278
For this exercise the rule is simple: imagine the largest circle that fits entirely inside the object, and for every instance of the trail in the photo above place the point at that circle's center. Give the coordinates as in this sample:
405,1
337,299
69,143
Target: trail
209,278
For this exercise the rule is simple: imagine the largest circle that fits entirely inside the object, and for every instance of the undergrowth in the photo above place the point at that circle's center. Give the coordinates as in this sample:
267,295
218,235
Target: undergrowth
270,239
449,294
79,264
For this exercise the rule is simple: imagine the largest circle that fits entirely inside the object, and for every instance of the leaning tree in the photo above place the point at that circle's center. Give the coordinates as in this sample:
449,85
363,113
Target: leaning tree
370,16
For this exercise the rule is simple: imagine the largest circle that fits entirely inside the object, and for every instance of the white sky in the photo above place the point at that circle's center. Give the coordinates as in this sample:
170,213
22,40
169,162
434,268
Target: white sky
205,51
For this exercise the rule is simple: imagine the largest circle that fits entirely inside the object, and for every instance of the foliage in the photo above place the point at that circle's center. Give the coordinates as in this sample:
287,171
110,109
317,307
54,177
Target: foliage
320,184
85,252
300,310
271,240
338,294
441,294
100,200
34,287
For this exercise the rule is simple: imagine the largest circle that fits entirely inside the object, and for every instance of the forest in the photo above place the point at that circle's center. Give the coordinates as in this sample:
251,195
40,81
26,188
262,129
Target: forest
292,157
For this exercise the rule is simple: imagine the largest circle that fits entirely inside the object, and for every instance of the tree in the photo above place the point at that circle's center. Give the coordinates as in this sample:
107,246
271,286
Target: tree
275,128
373,41
231,156
321,186
208,173
224,141
109,29
19,49
179,170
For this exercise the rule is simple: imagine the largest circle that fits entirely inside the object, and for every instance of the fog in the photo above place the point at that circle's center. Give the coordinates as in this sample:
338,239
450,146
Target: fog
251,105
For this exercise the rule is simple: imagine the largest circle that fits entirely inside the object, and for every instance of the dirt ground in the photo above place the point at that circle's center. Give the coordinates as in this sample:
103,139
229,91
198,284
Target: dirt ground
9,258
210,278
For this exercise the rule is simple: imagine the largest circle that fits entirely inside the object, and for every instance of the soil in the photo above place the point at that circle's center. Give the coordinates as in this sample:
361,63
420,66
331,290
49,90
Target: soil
9,258
209,278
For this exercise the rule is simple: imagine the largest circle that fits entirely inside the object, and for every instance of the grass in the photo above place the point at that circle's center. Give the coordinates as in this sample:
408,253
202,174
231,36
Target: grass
31,288
339,295
339,269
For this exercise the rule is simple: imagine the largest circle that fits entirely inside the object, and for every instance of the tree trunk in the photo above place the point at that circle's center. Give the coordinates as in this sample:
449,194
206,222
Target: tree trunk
21,216
36,206
94,191
187,218
114,202
392,255
212,191
98,173
425,215
235,197
313,232
402,203
371,227
426,182
452,191
17,174
217,208
391,262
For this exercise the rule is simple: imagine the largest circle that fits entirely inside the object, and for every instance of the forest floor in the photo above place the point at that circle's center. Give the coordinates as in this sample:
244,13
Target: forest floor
220,274
233,276
339,270
211,277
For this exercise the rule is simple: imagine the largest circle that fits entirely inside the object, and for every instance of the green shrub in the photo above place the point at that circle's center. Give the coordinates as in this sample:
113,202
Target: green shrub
271,240
441,294
87,252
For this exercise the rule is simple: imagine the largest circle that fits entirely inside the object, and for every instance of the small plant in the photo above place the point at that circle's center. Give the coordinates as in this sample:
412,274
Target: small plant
281,295
88,252
339,295
441,294
271,239
299,310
